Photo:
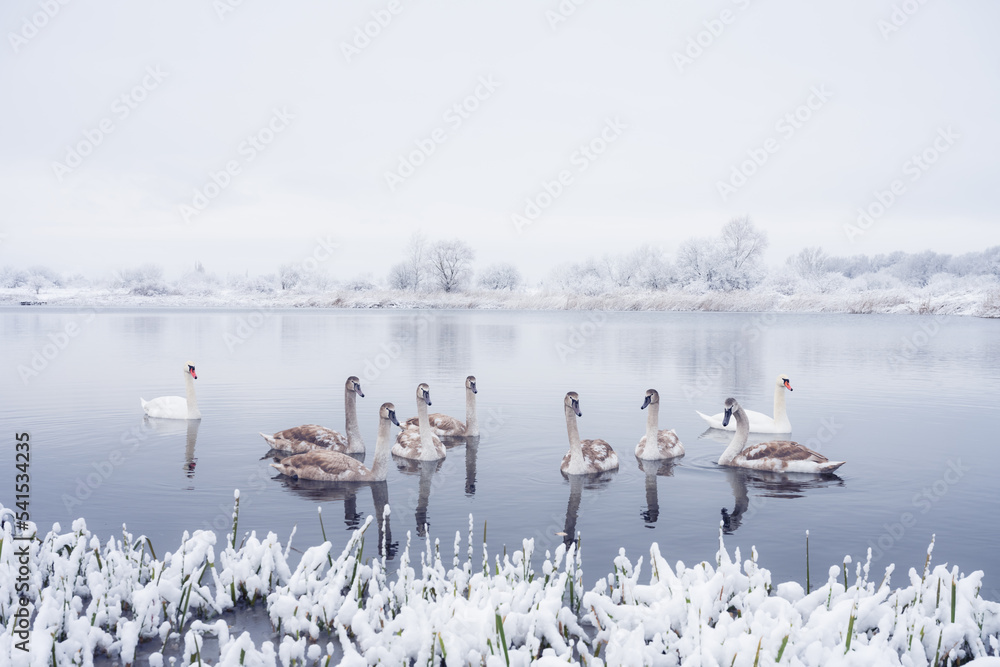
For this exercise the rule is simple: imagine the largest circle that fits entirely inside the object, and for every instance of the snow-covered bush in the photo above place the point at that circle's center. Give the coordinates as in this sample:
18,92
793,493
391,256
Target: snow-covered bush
502,276
246,284
198,282
866,282
362,283
145,280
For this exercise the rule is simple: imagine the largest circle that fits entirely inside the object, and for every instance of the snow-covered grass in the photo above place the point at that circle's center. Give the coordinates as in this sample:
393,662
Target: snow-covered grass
90,598
978,296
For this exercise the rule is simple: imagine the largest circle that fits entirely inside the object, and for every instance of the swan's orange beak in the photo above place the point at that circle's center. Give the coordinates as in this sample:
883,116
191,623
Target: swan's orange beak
191,371
788,385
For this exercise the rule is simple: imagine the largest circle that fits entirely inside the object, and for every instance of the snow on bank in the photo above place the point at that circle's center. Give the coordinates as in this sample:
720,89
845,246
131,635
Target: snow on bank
975,297
89,598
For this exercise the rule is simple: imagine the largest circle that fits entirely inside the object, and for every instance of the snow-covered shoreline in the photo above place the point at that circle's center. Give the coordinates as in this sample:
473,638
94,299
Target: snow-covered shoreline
933,299
89,598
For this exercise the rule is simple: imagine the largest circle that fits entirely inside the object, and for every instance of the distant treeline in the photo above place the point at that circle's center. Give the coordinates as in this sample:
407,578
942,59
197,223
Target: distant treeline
729,261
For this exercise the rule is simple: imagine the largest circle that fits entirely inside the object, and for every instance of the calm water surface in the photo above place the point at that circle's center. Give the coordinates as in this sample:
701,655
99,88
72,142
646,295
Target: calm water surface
911,403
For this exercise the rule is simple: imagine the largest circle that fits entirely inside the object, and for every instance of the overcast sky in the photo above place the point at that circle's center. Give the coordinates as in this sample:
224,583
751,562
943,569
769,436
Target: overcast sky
833,99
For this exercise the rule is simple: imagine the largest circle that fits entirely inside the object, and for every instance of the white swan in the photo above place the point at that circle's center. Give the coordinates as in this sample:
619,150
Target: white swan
334,466
448,427
776,455
657,444
175,407
759,422
420,442
311,437
588,456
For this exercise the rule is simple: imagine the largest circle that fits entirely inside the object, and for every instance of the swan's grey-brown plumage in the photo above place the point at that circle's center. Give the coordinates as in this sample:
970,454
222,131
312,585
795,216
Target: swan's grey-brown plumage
420,442
311,437
448,427
657,444
584,457
333,466
776,455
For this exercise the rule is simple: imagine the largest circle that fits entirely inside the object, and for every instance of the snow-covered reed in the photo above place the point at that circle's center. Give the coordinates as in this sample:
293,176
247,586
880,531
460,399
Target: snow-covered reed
89,598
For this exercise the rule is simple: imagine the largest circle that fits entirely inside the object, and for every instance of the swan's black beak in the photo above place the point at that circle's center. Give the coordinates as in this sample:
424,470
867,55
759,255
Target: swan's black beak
473,388
427,397
576,408
392,417
357,390
788,385
725,418
645,403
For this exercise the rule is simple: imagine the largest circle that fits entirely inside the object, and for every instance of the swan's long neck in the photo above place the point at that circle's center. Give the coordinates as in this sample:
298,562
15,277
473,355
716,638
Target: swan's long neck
424,424
380,465
192,400
471,420
355,445
739,440
652,424
575,448
779,404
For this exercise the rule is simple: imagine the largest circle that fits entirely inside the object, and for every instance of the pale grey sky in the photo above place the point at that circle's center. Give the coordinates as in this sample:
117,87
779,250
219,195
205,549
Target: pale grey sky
838,97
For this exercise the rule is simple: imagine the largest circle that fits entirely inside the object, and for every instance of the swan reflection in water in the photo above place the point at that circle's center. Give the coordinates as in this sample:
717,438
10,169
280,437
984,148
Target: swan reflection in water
471,454
426,470
166,427
348,493
654,469
769,485
577,484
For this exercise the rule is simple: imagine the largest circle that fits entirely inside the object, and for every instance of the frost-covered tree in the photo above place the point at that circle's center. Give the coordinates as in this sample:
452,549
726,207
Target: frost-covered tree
809,262
38,282
652,269
697,261
417,257
743,245
985,263
917,269
11,277
732,261
501,276
450,264
46,274
289,276
401,277
586,278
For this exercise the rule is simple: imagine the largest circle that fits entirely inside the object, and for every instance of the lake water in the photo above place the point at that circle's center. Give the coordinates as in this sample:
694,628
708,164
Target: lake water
910,402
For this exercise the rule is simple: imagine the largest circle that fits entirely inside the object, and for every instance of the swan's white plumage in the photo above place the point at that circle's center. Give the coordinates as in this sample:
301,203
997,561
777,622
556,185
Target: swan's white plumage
759,422
175,407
